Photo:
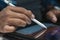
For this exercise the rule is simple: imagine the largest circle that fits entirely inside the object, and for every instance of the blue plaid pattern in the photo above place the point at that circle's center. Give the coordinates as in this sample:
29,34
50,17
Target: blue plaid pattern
51,2
11,1
45,3
3,4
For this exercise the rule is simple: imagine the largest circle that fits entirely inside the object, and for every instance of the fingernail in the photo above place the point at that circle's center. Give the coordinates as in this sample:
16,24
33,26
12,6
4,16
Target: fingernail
33,16
54,19
29,23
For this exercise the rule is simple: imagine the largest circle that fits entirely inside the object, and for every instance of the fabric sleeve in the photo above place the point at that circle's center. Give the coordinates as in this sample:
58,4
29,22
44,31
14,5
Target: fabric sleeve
2,5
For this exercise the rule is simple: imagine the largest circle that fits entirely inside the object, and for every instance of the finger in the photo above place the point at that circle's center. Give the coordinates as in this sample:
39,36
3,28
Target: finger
16,22
51,16
21,10
20,16
57,12
32,16
8,29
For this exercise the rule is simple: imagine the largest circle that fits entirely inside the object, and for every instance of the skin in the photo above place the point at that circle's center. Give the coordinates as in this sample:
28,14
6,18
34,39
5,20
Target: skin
13,17
53,15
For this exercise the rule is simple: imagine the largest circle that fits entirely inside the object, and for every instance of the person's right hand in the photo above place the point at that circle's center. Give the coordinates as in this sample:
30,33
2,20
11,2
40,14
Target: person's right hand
13,17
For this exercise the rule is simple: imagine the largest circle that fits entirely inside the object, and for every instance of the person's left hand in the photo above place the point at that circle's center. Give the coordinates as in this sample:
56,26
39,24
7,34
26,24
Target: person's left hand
53,14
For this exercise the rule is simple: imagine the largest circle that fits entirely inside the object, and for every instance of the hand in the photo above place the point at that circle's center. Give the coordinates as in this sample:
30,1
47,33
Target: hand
11,17
51,33
53,15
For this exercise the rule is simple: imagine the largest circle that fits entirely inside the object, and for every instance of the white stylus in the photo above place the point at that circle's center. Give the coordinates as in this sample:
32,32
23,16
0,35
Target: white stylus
34,20
57,8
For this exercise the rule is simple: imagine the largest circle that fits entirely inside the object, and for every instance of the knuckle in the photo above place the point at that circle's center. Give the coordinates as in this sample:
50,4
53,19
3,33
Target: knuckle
23,9
24,16
30,13
23,23
7,10
7,13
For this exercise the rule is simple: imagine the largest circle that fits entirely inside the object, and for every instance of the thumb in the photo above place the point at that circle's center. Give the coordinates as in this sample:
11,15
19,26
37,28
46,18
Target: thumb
51,16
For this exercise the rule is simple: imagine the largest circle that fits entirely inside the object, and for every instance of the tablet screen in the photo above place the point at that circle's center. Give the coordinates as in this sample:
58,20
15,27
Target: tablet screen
32,29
